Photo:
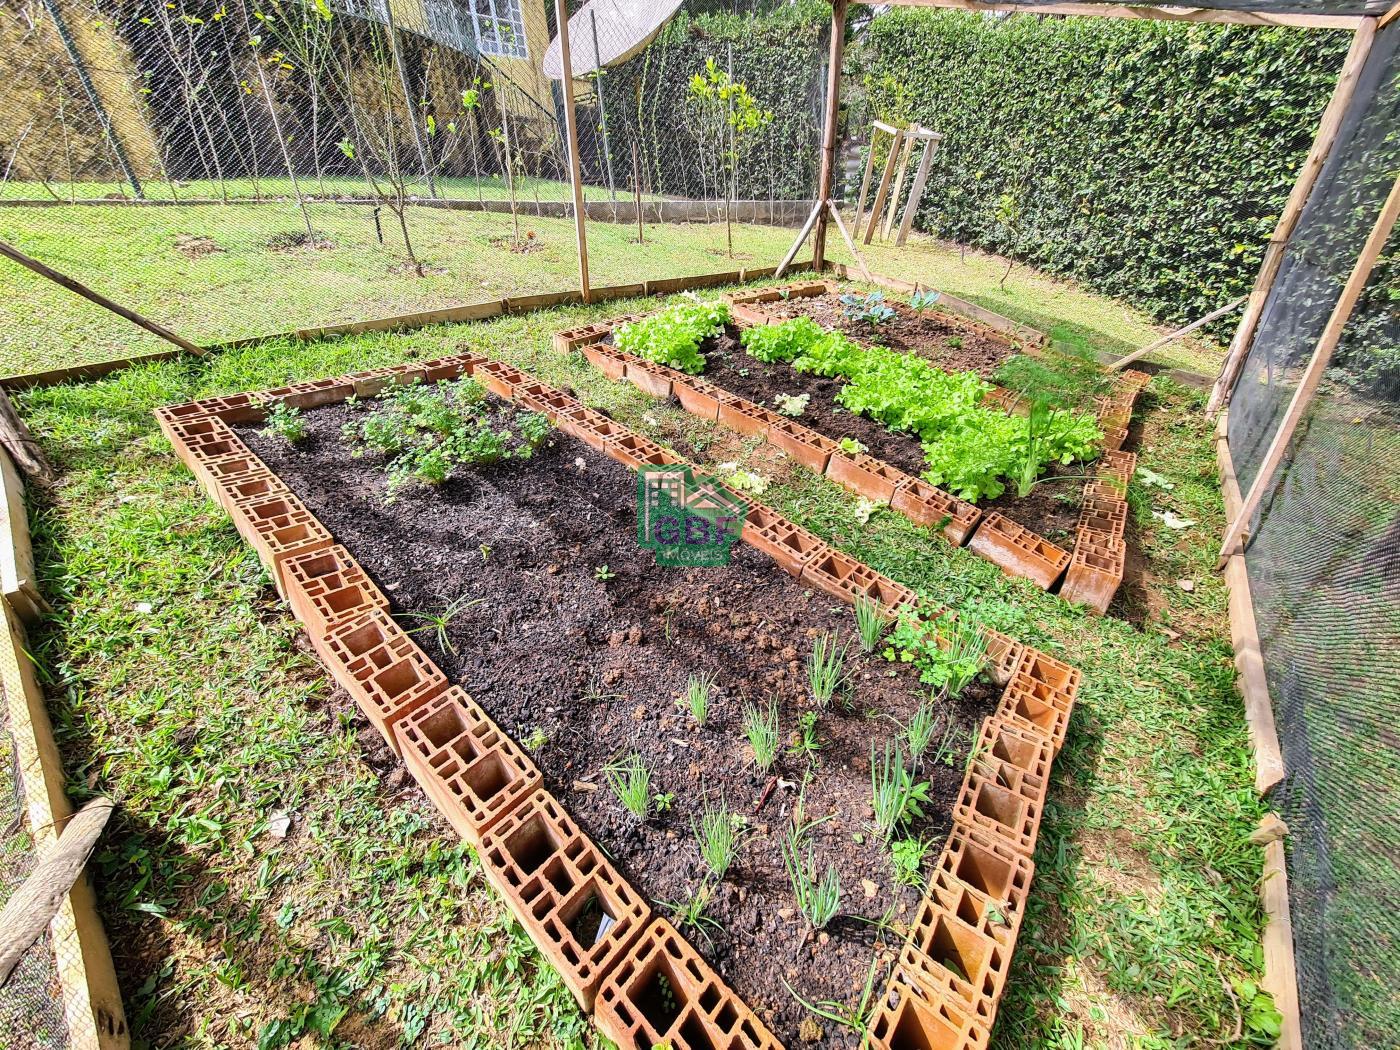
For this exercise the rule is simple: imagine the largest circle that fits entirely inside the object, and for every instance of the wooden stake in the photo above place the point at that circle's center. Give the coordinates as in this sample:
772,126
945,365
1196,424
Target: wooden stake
916,192
1312,377
865,183
561,13
833,116
893,209
877,209
797,244
1280,964
637,189
1322,145
28,912
20,444
15,255
1138,355
864,270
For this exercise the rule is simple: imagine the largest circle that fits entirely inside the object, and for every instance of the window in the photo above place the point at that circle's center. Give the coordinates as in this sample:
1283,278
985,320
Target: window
500,28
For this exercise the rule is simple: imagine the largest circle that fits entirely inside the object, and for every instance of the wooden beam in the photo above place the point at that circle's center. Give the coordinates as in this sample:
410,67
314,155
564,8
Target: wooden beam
893,208
829,130
797,244
561,17
1389,16
864,270
864,184
1163,14
916,192
1280,964
1312,377
878,208
12,253
1323,142
1185,330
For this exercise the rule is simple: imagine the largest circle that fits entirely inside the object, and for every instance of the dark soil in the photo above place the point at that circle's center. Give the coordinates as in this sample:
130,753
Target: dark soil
953,343
595,666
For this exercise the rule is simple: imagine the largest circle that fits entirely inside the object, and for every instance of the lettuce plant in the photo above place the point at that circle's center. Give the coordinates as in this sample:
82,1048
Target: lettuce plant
782,342
673,336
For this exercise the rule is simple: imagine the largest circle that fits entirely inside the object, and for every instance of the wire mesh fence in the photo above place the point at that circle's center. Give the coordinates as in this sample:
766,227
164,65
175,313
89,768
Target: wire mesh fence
368,157
1324,570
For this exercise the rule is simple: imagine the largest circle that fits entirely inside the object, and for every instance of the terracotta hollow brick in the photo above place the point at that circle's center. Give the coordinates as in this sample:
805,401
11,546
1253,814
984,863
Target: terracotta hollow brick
697,397
279,528
1004,801
931,507
583,915
1095,570
788,544
648,378
311,394
1044,668
910,1019
948,957
663,993
803,444
500,378
251,487
1018,748
866,475
611,362
992,881
471,771
447,369
1003,654
1103,514
1018,551
1027,704
845,578
743,416
381,667
328,586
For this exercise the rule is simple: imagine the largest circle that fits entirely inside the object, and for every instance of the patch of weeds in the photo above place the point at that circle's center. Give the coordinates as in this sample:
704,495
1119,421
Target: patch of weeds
907,856
630,780
697,697
947,652
761,729
826,670
285,422
896,796
871,622
719,834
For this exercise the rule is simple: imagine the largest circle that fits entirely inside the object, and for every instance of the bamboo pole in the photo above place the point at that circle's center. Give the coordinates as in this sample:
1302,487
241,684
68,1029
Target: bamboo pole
561,11
877,209
829,132
1185,330
916,192
1312,377
15,255
1322,145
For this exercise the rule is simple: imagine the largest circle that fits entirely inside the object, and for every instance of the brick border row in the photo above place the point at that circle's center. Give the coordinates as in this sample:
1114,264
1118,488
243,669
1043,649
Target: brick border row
554,878
1091,572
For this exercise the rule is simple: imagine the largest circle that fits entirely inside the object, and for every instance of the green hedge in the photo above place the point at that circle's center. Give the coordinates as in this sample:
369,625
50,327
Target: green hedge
1147,159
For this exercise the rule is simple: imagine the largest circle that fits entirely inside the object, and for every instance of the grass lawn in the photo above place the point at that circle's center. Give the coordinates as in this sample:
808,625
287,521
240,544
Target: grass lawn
181,687
208,273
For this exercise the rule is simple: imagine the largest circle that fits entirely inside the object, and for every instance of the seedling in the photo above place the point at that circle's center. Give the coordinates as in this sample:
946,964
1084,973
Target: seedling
692,912
818,899
792,404
856,1018
871,623
285,422
805,741
602,572
896,797
630,780
908,855
761,728
921,301
719,834
868,309
438,623
697,697
825,670
918,734
948,653
851,446
536,739
663,801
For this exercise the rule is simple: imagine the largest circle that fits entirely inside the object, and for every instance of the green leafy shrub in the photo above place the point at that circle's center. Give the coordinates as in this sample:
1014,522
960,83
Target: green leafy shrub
673,336
426,432
782,342
947,653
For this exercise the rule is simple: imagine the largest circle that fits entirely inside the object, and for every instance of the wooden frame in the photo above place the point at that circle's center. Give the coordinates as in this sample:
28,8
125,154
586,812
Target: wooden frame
1164,14
561,18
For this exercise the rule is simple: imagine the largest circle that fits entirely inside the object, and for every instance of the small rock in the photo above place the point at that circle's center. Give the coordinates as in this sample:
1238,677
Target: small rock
553,569
640,713
279,824
869,887
809,1031
823,938
1186,585
585,787
786,914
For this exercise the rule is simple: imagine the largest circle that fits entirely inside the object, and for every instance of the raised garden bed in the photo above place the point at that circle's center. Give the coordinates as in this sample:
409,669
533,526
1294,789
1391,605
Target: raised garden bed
570,640
1057,527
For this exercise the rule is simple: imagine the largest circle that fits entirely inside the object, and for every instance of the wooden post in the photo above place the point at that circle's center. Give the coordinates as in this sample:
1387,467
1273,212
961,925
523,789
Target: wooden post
1312,377
833,114
1323,141
878,208
836,216
14,254
865,180
1138,355
637,189
801,236
561,14
916,192
893,209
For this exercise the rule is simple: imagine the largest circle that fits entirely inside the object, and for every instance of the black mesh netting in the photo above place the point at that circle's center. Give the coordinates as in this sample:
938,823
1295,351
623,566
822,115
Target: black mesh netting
1324,569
